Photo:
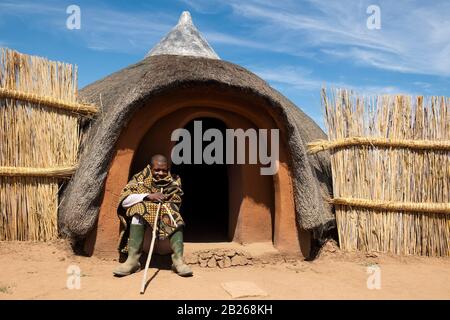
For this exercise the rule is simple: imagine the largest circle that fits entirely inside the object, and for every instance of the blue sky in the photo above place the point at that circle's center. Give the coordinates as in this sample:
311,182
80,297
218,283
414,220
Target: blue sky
297,46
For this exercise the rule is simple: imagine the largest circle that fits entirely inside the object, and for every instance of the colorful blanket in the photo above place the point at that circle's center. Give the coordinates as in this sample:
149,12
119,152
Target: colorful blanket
143,182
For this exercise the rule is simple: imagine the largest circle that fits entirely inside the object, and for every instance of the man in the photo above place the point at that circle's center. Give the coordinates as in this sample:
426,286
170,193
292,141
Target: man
139,202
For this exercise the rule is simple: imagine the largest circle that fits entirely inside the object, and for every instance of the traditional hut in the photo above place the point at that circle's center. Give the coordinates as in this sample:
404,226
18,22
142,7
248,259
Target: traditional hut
181,80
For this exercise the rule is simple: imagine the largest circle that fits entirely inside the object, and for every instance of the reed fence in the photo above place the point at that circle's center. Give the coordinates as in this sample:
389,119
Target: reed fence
39,140
390,158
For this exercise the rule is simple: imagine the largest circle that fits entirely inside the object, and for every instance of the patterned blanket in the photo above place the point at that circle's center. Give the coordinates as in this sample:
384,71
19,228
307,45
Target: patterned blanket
143,182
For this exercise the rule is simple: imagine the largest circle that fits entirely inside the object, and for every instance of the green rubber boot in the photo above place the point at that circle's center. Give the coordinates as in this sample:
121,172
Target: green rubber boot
132,264
178,266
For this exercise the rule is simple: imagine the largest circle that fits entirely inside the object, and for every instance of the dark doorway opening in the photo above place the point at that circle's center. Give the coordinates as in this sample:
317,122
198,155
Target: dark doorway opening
205,201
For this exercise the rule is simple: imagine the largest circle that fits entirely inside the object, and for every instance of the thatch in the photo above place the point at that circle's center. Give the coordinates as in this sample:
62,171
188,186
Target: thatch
393,194
38,143
121,94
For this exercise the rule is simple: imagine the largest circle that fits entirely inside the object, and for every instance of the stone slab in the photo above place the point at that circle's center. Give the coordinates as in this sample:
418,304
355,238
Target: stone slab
243,289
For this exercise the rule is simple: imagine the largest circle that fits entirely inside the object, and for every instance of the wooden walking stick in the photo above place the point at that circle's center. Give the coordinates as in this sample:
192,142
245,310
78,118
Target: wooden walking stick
147,263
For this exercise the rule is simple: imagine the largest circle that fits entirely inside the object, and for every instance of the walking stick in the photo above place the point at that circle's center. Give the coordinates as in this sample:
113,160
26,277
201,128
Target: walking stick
147,263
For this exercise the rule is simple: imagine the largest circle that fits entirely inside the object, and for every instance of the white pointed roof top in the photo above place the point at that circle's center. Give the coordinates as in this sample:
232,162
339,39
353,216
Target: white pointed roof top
184,39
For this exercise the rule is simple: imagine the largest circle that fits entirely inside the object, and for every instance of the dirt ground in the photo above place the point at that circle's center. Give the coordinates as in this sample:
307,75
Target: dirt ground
41,271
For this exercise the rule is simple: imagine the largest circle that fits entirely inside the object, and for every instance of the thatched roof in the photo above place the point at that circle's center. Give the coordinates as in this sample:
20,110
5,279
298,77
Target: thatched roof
124,92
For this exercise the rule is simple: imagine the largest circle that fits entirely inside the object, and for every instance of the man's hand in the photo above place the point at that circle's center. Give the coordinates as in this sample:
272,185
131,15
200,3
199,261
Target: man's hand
156,197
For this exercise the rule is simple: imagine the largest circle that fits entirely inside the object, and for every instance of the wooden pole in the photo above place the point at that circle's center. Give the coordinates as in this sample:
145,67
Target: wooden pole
149,257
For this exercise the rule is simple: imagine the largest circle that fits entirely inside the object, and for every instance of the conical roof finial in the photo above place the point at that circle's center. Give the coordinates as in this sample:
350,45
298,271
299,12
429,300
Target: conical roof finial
184,39
185,18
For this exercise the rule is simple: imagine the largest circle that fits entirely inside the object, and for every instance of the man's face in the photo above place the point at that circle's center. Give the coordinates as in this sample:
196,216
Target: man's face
159,169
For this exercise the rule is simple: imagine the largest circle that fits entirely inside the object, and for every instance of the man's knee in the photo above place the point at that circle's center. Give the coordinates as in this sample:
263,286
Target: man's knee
137,219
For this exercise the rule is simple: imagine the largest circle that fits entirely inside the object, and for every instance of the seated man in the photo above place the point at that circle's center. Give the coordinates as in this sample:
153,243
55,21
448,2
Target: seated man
139,203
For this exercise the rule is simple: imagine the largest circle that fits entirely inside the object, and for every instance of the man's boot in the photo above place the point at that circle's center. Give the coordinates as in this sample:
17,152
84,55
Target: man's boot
132,264
176,243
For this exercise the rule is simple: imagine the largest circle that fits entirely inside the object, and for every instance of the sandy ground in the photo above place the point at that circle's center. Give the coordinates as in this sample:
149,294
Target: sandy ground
40,271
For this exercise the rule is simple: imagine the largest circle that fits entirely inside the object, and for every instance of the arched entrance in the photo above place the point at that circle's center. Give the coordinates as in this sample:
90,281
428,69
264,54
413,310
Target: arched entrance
238,202
260,208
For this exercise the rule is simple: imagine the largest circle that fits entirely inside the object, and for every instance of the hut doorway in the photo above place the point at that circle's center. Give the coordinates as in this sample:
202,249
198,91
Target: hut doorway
205,201
222,202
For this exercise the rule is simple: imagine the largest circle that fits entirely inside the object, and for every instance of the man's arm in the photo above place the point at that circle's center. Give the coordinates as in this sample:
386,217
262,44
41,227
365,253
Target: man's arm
132,199
130,194
156,196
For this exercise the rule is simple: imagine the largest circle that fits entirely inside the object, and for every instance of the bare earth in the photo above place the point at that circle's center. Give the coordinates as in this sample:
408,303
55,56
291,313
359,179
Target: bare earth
39,271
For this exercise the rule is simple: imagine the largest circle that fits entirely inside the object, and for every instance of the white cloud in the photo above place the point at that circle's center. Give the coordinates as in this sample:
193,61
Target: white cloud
218,37
205,6
14,8
413,38
292,76
112,30
300,78
101,28
414,35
